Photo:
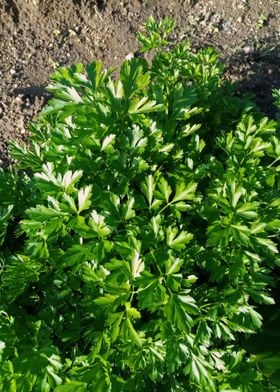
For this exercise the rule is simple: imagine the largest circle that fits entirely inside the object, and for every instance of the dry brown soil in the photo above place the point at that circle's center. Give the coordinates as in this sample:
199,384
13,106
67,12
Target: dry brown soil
36,36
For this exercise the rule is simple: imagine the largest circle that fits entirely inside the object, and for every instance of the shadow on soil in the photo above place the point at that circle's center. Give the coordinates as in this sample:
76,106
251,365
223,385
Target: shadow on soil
257,69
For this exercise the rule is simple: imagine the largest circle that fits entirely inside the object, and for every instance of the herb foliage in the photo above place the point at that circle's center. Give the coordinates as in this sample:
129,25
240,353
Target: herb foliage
148,230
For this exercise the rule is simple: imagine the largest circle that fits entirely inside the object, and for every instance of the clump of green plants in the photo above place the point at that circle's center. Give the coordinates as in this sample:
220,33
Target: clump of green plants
147,237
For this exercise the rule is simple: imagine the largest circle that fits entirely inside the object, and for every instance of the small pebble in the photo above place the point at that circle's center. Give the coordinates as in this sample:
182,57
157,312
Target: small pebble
248,49
129,56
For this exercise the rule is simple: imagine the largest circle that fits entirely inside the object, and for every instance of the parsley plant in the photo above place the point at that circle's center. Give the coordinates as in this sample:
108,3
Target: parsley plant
148,230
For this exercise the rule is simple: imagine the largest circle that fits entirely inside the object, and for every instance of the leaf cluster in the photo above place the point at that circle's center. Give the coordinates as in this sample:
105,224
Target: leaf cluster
149,230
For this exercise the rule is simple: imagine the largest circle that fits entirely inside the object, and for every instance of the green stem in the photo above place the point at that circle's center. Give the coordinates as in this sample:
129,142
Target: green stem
272,163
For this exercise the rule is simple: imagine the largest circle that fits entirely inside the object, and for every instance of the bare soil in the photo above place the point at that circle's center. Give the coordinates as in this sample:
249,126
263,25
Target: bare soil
36,36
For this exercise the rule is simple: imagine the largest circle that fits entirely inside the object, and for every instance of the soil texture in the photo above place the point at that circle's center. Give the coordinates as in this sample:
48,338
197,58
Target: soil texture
37,36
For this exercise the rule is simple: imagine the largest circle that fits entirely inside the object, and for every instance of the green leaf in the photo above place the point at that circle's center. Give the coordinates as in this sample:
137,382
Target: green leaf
148,188
157,32
108,299
189,303
133,334
133,76
273,225
144,105
98,224
260,297
256,318
72,386
108,142
164,190
48,175
176,314
71,202
131,312
41,213
267,243
137,265
127,209
248,210
151,294
95,74
5,215
189,129
115,320
84,196
198,369
177,240
174,266
71,178
185,192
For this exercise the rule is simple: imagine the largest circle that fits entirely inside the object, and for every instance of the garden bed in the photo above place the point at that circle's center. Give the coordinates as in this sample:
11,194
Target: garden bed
38,35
